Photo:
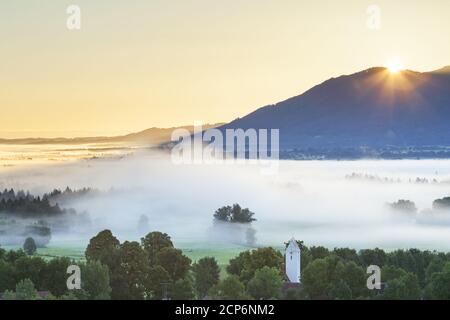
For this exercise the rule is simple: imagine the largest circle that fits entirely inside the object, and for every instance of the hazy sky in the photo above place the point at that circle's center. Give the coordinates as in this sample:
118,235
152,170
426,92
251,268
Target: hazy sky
137,64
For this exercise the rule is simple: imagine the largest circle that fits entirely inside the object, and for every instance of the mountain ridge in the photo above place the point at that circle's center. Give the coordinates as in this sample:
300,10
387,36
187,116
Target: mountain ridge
153,135
372,108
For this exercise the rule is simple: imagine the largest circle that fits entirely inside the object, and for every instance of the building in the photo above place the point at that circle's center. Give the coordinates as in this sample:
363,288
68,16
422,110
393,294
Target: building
292,261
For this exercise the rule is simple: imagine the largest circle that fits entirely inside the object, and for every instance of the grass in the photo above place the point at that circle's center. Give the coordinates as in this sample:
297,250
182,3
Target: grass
47,253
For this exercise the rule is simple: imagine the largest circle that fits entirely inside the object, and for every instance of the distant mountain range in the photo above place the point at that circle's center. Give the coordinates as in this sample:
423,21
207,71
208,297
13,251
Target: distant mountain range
372,113
365,114
151,136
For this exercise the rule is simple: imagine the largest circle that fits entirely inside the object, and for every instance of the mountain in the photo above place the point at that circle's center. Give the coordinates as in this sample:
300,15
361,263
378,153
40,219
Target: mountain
372,110
151,136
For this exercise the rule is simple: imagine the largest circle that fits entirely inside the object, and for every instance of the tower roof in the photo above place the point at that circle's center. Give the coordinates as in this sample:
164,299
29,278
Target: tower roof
293,244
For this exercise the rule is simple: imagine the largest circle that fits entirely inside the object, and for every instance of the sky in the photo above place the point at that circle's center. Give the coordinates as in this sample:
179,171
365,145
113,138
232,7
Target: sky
139,64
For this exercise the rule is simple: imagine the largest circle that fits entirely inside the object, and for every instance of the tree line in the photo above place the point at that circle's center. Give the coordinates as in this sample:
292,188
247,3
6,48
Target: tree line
154,269
25,205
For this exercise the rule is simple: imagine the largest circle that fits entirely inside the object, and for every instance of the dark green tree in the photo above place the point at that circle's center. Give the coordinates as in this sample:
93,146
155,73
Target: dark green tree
319,252
174,262
206,275
154,242
234,214
95,281
54,276
25,290
183,289
405,287
354,278
247,262
295,294
340,290
318,276
438,286
157,283
32,268
231,288
29,246
7,281
135,268
106,249
373,257
266,284
347,254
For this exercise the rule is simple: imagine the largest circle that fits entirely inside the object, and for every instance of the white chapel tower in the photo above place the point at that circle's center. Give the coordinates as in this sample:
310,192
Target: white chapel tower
292,261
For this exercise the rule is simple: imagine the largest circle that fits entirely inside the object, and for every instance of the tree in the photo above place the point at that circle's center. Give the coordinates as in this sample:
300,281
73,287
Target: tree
405,287
2,253
105,248
240,215
441,204
295,294
206,274
402,259
389,273
234,214
347,254
29,246
266,284
54,276
25,290
438,286
247,262
223,214
404,206
95,281
7,281
353,277
318,276
436,265
154,242
340,290
32,268
12,256
157,283
183,289
134,264
9,295
236,265
174,262
231,288
319,252
373,257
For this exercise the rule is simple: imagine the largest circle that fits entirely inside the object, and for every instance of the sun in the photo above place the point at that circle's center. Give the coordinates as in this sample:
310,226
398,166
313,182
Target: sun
395,66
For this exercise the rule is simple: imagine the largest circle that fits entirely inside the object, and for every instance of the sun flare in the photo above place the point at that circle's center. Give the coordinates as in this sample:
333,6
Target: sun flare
395,66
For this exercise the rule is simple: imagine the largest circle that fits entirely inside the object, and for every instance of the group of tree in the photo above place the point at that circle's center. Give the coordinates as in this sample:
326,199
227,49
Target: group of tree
24,204
442,204
154,269
22,276
409,207
30,207
234,214
151,269
337,274
404,206
68,194
406,274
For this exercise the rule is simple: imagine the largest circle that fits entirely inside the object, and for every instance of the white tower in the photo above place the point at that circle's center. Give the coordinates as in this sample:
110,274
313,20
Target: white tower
293,261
